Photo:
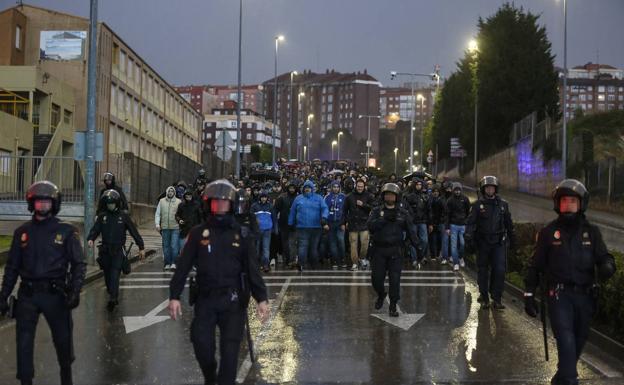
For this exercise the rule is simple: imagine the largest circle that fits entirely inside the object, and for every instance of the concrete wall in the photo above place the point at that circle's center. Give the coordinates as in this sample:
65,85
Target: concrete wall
9,53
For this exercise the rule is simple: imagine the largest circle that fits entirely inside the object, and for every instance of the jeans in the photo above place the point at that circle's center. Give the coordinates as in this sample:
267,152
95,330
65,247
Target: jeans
423,240
491,270
182,242
264,246
308,244
358,238
445,242
170,244
457,242
336,243
289,242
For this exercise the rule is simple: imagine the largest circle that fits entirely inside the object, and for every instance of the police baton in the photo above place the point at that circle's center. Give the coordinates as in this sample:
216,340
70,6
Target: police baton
127,251
252,355
543,317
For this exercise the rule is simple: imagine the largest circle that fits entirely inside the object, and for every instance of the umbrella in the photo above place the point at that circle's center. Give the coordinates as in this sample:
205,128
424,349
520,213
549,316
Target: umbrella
335,171
418,174
264,175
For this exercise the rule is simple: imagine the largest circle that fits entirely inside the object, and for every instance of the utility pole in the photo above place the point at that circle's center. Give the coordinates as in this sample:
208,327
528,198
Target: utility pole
238,104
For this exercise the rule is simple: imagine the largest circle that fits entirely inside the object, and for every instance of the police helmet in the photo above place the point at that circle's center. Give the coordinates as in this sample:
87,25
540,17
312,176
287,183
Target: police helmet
391,188
220,189
44,190
488,180
110,196
202,172
570,187
108,176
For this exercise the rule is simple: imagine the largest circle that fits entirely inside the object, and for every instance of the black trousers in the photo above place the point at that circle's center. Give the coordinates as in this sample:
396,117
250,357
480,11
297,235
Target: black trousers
59,319
386,261
210,312
570,316
111,263
288,239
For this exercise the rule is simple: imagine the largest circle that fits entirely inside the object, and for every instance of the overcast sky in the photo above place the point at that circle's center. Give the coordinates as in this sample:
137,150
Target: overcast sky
195,41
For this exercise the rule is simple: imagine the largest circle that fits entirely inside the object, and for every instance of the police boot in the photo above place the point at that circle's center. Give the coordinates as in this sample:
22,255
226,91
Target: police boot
112,303
392,310
27,382
66,376
484,301
497,305
380,301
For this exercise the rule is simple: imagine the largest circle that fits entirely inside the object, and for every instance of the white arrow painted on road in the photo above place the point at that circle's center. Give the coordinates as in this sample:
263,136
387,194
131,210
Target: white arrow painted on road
404,321
133,324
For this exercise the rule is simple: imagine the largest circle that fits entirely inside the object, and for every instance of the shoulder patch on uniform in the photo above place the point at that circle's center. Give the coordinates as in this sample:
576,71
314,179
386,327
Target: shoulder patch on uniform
24,238
58,239
205,233
557,234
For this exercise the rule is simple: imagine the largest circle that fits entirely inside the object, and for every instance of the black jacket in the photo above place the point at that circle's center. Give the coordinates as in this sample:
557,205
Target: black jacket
44,250
221,254
387,227
191,214
113,227
282,208
356,216
490,222
567,254
419,202
457,210
437,211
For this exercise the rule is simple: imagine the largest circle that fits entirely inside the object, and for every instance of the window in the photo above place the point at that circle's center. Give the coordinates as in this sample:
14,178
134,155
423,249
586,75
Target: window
611,89
122,61
5,162
55,117
601,88
67,117
18,37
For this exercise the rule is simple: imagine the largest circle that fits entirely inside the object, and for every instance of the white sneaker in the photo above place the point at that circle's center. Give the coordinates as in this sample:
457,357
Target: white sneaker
172,267
354,267
272,263
167,267
462,263
456,267
443,262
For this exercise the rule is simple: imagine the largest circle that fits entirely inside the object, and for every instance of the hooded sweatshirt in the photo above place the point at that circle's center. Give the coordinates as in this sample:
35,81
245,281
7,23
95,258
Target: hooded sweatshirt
309,210
336,205
166,210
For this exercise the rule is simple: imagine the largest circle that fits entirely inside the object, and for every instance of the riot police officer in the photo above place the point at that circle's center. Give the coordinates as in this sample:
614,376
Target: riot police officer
113,224
489,230
387,223
227,275
109,183
569,253
47,256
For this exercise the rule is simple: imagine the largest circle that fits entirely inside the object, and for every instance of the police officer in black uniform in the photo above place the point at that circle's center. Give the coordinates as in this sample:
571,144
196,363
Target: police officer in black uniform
569,253
47,256
111,184
113,224
227,275
489,231
387,224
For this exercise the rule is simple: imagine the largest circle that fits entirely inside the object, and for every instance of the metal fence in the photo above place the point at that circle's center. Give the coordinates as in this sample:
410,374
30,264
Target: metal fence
17,173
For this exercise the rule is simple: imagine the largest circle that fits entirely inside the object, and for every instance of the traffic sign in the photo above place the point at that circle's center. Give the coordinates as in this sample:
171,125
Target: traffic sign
224,153
219,140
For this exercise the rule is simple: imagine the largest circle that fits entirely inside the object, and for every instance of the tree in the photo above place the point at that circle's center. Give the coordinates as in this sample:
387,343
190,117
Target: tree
350,148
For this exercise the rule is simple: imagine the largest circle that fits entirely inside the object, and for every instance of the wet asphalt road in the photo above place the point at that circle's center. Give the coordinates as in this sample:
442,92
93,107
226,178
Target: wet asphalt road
322,331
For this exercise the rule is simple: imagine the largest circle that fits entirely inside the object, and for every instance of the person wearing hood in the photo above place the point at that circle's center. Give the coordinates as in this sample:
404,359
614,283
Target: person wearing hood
569,254
282,211
490,231
180,188
335,201
188,215
167,225
263,210
418,200
457,209
308,215
110,184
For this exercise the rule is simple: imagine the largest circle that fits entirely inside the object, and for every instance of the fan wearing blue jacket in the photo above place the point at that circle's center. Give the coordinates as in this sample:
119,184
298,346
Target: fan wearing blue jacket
263,210
308,216
335,201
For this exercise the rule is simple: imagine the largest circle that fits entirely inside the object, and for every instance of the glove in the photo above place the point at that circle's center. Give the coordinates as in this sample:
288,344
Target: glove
4,305
606,271
73,299
530,307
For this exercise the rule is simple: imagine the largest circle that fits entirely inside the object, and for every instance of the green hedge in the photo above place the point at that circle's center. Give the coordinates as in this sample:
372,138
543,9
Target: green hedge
610,316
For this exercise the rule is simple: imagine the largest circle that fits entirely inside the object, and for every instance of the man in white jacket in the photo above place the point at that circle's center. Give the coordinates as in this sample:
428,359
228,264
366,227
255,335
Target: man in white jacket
168,227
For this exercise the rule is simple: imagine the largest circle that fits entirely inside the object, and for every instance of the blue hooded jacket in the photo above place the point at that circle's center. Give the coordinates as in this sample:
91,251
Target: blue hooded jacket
264,215
336,206
308,211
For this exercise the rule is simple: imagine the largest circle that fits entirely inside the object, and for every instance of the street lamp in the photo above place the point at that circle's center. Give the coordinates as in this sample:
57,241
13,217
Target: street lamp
564,144
239,89
396,151
277,40
473,48
299,137
422,126
368,138
339,135
310,117
333,144
290,114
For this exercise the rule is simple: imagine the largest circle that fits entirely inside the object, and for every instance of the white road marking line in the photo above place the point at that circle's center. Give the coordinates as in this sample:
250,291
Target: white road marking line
301,278
344,284
243,371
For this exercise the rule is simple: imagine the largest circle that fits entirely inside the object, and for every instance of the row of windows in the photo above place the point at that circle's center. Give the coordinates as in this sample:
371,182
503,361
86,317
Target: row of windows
609,89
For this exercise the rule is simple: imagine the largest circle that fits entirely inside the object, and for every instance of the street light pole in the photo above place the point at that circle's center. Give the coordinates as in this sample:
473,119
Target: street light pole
368,137
422,128
277,40
339,135
238,103
474,49
290,115
396,152
299,136
332,149
310,117
564,145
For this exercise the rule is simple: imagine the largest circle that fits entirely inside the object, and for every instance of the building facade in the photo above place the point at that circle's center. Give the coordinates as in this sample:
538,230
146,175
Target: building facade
397,103
137,110
205,98
313,104
593,88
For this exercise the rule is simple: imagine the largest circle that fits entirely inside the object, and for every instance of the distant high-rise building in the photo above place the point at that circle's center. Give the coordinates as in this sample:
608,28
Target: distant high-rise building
205,98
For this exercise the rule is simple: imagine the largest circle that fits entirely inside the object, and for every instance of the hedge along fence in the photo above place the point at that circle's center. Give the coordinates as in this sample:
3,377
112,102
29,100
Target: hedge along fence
609,318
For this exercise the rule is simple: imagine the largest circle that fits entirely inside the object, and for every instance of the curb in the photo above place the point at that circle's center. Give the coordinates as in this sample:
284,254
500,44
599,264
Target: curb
606,344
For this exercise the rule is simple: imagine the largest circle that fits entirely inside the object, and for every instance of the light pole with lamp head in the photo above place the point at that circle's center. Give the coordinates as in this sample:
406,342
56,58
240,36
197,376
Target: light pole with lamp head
299,136
310,117
333,144
422,126
339,135
368,137
290,115
277,40
473,48
396,152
